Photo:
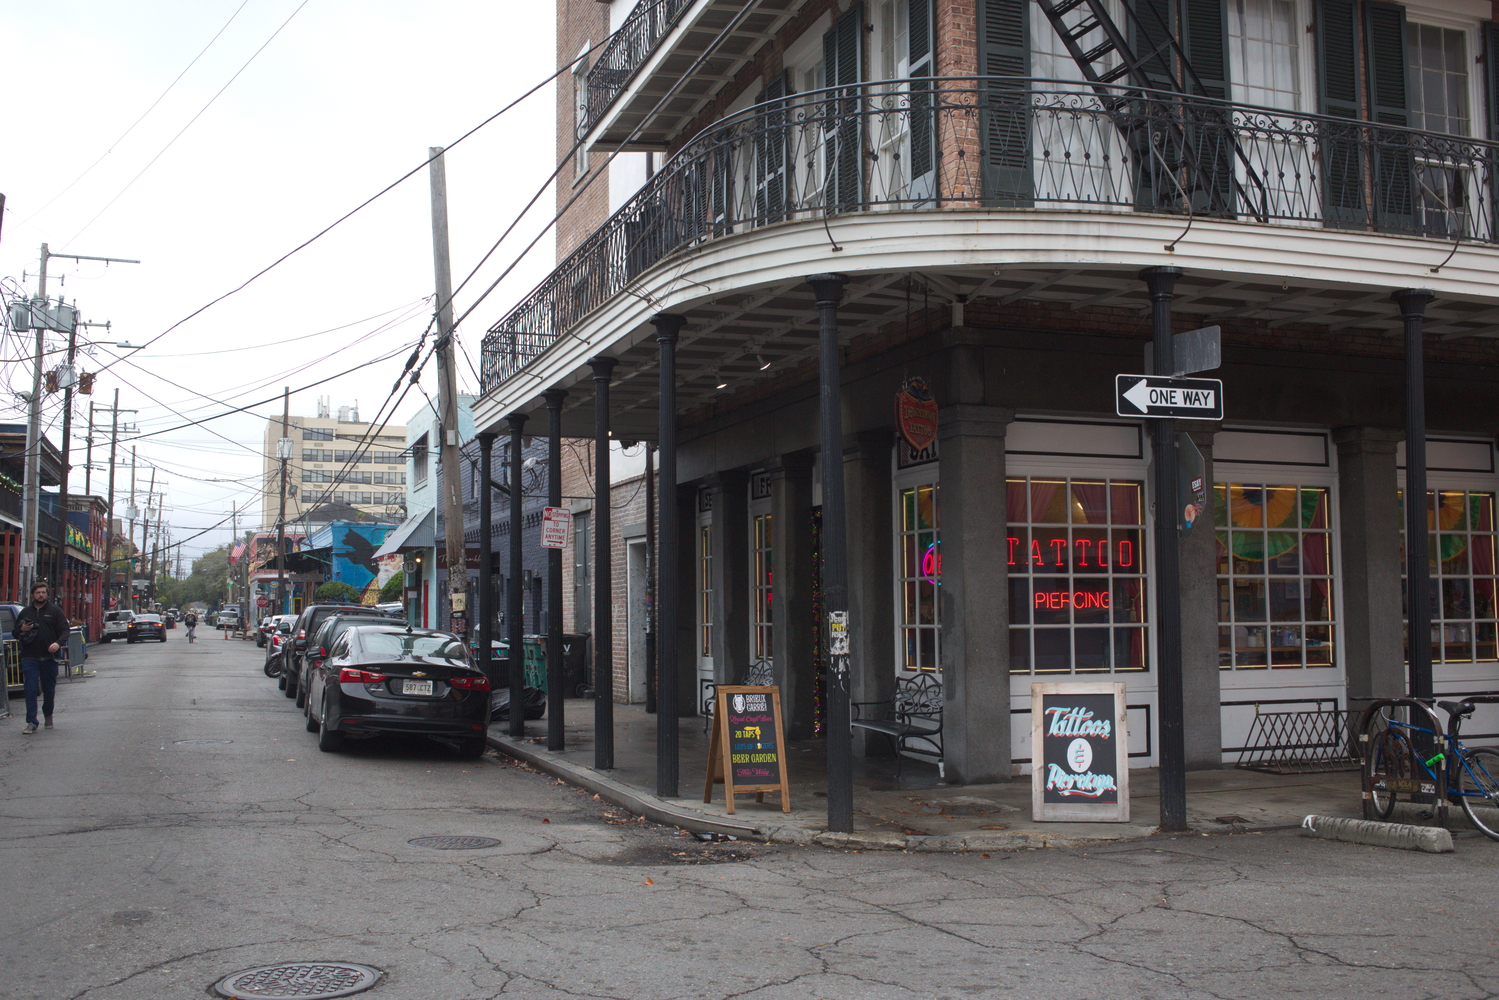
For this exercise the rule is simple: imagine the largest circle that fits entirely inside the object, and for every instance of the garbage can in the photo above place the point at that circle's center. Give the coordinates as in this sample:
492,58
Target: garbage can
536,662
575,664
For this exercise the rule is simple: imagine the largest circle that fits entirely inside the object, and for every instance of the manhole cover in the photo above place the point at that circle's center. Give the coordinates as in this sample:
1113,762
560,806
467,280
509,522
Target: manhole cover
299,980
454,843
200,743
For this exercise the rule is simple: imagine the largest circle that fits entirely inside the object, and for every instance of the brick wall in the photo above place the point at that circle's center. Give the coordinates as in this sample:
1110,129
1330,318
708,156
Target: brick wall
580,23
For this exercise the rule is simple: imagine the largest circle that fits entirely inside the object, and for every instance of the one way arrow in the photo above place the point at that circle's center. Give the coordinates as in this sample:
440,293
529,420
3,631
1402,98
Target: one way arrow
1158,396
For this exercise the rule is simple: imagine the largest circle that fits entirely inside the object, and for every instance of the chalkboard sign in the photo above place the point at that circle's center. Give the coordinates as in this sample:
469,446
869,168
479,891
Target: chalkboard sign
1079,753
745,753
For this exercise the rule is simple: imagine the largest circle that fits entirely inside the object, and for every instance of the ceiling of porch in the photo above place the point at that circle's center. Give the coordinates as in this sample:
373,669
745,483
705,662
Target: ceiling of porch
742,341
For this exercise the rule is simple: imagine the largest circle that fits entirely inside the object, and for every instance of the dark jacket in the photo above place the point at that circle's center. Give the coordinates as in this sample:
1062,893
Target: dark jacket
51,626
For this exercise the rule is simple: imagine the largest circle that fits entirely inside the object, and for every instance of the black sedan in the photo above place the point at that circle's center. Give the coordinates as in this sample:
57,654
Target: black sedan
143,627
389,679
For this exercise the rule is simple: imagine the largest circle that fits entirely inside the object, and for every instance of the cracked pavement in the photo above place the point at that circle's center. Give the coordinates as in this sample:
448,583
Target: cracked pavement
139,867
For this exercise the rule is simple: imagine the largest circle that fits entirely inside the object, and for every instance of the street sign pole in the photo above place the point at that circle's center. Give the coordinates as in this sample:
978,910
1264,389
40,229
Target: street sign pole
1161,282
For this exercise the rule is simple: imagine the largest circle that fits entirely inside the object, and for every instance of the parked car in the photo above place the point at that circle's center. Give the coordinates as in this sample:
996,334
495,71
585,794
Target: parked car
117,625
144,627
322,640
302,629
278,637
388,679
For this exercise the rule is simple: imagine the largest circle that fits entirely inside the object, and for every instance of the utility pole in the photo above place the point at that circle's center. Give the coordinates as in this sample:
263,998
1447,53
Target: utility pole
447,398
109,533
129,594
31,515
283,450
146,530
233,541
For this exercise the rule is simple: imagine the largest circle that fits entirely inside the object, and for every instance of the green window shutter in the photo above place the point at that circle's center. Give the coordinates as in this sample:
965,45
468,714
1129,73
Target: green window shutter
1004,60
1339,70
920,35
770,153
842,69
1205,41
1394,169
1150,30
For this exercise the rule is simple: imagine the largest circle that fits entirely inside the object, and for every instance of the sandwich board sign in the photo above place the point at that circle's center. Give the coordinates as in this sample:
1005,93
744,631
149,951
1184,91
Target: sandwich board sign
1079,753
746,753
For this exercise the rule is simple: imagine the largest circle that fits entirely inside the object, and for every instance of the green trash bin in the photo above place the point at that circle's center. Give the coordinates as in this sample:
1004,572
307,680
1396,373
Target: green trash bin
536,662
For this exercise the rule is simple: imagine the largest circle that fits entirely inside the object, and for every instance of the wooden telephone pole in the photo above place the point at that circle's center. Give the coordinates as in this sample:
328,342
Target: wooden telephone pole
447,399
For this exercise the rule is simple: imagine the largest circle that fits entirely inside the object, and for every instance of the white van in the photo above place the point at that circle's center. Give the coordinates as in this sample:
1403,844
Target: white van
117,625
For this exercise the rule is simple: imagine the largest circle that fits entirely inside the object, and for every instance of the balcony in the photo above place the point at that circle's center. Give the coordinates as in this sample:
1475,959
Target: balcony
1007,146
639,88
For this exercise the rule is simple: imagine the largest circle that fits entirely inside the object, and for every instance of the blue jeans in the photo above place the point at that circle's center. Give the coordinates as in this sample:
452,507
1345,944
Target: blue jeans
40,674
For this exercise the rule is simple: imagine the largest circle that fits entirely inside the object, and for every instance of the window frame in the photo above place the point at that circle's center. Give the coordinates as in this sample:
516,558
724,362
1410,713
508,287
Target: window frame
903,479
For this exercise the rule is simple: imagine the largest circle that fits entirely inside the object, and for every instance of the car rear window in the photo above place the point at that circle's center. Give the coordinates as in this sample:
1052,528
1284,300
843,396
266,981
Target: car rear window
148,618
396,645
7,620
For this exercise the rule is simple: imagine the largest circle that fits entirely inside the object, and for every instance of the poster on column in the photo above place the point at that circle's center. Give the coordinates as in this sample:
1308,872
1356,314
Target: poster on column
1079,753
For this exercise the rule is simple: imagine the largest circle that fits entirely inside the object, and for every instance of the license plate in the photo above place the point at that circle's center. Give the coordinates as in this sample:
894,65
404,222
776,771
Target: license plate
416,687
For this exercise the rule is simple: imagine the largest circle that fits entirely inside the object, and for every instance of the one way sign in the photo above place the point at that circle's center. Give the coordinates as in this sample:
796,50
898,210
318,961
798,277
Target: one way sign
1157,396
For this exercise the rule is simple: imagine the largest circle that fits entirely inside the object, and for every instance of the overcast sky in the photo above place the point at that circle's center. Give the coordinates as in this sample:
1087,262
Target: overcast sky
345,99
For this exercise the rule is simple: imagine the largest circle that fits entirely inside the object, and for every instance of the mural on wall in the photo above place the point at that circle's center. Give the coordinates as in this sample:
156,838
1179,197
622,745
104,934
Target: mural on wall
354,547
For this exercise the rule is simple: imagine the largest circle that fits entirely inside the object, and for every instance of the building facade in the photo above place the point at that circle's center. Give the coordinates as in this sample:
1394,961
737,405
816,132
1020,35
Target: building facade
338,467
991,180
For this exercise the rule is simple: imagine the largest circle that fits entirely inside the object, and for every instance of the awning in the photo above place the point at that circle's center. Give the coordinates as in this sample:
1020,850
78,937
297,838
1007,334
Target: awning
309,560
419,531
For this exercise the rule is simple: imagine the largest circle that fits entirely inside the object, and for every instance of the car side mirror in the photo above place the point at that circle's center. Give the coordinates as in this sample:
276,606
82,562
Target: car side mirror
301,643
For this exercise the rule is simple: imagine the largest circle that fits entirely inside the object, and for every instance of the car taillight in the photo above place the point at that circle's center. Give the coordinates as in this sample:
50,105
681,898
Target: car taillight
469,683
131,625
348,675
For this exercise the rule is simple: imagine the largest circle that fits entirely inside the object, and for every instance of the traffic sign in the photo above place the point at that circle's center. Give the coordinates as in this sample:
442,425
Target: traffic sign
556,525
262,601
1157,396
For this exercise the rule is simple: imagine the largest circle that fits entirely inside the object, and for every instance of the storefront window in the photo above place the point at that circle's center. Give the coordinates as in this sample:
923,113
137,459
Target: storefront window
1275,597
705,589
1076,554
1460,553
763,631
920,576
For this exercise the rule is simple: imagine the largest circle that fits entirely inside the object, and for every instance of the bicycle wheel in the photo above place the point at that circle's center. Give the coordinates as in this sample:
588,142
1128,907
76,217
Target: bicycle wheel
1390,756
1478,780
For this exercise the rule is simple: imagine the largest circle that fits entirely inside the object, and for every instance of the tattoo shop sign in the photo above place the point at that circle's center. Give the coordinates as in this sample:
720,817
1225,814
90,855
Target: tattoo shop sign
1079,753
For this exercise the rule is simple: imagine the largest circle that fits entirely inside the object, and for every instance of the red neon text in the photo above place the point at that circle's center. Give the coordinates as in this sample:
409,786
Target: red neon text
1056,599
1121,552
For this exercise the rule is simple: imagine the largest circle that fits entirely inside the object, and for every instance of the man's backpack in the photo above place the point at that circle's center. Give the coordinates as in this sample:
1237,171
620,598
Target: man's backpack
191,620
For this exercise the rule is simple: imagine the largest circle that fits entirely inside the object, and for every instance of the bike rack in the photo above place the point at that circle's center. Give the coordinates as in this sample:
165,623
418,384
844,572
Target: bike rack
1418,786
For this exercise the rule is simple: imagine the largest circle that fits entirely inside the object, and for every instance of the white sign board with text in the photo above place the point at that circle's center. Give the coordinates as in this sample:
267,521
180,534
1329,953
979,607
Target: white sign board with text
556,525
1079,753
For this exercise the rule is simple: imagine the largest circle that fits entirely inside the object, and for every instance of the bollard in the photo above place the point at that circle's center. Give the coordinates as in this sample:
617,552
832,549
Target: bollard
1431,839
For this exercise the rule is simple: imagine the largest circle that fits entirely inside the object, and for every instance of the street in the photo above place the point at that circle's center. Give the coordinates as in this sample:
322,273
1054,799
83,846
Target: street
143,862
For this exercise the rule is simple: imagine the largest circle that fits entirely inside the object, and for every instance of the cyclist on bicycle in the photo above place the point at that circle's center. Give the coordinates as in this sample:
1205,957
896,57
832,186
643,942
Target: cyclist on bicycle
191,621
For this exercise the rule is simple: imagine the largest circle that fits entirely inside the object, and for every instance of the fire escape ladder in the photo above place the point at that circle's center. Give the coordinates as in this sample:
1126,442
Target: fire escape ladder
1183,147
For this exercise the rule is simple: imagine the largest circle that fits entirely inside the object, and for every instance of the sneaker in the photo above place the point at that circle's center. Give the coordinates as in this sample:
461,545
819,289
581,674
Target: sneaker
48,723
30,728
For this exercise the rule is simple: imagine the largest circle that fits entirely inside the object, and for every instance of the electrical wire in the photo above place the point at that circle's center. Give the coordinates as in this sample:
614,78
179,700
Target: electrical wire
142,118
215,97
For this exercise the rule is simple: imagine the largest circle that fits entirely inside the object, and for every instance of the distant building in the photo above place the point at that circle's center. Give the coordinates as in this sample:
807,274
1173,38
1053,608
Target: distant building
339,468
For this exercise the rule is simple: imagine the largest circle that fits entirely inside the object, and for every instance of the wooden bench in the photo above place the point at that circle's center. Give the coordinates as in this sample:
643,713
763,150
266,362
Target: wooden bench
912,718
758,674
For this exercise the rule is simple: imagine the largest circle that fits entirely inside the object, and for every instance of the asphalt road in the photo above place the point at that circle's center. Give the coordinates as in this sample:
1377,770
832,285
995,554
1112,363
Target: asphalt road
140,866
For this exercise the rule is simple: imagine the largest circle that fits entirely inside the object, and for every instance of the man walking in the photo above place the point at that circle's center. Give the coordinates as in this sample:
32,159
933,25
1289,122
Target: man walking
41,628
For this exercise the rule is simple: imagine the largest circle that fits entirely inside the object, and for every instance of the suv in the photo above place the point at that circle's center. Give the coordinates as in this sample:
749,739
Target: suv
8,613
290,668
117,625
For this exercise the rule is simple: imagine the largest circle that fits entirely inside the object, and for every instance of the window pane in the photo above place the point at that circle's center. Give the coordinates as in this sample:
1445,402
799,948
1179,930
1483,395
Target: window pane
1090,502
1092,649
1053,650
1249,645
1048,501
1319,645
1124,503
1285,650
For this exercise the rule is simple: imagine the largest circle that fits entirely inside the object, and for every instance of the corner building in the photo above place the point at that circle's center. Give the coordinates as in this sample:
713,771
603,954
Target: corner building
991,177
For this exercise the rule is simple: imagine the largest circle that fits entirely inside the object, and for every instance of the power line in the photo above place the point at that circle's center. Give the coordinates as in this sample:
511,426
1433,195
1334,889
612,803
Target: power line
142,118
189,125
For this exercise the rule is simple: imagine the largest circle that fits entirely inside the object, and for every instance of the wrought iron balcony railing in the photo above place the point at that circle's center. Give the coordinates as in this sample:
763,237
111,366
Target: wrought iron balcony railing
1008,143
635,40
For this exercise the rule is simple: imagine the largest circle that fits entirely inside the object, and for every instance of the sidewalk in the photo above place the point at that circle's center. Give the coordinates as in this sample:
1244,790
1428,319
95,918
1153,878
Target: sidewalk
922,813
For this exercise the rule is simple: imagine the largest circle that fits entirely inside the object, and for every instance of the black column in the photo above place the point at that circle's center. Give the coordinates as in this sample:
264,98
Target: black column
1171,728
828,289
668,595
1412,302
603,573
514,592
555,674
486,561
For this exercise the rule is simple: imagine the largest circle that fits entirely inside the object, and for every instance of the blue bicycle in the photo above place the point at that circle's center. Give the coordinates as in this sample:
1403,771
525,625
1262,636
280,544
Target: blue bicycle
1426,764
